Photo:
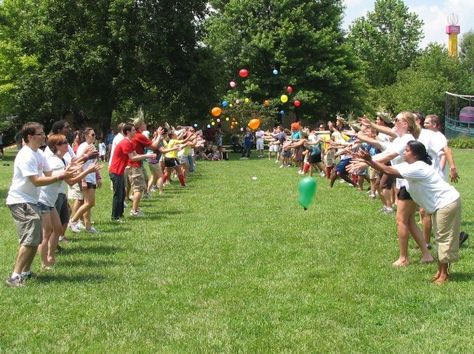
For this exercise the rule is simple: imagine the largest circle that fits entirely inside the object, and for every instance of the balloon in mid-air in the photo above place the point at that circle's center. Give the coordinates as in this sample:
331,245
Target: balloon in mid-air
254,123
275,72
289,89
243,73
266,103
225,103
216,111
297,103
233,84
284,98
307,190
247,100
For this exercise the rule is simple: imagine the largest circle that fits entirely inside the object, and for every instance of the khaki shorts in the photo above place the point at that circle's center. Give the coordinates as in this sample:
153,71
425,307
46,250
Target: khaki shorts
137,179
28,223
446,226
155,168
372,173
74,192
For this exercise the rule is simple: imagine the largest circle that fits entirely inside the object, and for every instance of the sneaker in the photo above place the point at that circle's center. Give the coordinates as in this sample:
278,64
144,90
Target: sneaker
282,166
125,205
322,174
372,195
16,282
387,210
92,230
64,239
118,221
28,275
146,196
300,172
136,213
463,237
74,227
81,225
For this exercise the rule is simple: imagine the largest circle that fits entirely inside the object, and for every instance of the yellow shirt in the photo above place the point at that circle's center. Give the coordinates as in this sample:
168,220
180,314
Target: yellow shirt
171,144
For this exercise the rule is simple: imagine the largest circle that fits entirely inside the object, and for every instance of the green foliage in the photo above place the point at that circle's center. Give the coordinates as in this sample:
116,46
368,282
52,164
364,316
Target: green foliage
387,40
421,87
302,40
466,56
98,56
461,142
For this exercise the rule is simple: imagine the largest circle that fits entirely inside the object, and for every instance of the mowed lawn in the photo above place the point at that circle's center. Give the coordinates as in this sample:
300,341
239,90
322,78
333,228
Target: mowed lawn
233,264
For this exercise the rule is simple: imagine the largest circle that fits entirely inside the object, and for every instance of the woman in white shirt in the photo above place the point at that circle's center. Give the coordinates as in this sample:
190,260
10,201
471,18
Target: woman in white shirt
89,184
405,129
432,193
51,222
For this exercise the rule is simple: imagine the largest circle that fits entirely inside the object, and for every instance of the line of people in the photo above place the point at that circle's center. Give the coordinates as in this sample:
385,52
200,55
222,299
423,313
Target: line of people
48,171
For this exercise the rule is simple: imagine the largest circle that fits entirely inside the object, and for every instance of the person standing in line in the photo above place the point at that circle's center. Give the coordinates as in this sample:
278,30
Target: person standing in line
259,142
31,170
123,152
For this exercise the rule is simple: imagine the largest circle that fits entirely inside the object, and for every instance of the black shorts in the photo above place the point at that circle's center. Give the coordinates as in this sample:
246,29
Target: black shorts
315,158
62,208
91,185
171,162
403,194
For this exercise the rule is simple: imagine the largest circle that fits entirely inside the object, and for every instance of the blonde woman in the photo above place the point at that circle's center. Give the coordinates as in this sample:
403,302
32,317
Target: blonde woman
89,184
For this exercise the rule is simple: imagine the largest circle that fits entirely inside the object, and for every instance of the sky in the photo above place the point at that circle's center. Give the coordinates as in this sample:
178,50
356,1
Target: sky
434,14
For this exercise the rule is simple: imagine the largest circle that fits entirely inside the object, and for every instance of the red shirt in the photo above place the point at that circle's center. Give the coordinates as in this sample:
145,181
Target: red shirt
120,158
140,142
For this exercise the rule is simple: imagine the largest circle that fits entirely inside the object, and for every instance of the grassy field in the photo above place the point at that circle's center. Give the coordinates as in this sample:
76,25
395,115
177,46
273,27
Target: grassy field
233,264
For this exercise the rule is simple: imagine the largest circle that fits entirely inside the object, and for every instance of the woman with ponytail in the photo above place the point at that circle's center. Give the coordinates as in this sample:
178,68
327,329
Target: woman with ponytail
432,193
405,129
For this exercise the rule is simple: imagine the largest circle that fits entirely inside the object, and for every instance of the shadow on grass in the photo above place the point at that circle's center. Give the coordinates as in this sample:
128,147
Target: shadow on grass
100,250
96,263
462,277
467,224
84,278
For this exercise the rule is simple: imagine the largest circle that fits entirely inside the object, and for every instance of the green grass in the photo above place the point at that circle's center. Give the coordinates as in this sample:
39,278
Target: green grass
232,264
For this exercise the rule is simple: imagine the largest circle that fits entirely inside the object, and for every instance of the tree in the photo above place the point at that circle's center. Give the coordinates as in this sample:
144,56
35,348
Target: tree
301,40
387,40
466,56
101,56
421,87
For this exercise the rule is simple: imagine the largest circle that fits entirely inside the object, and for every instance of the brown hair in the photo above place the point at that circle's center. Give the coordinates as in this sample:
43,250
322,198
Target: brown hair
434,119
30,128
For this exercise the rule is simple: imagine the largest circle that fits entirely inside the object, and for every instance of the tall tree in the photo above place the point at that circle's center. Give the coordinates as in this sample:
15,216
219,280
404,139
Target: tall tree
466,56
301,41
421,87
103,55
386,39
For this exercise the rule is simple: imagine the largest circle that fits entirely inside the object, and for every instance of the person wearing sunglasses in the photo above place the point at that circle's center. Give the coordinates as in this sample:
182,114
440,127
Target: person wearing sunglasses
89,184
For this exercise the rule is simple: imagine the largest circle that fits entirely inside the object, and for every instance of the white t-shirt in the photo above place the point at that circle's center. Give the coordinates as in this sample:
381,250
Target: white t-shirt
49,193
398,146
426,187
91,177
434,144
102,149
27,163
117,139
259,134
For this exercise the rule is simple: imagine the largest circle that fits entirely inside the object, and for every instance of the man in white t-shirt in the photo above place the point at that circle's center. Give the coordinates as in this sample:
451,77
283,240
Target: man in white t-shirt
31,170
259,134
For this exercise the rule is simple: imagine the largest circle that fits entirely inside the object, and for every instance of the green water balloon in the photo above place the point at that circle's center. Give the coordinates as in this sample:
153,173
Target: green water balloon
307,190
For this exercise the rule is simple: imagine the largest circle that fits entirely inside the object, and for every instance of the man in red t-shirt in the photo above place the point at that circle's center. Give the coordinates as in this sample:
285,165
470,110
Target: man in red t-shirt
136,172
124,152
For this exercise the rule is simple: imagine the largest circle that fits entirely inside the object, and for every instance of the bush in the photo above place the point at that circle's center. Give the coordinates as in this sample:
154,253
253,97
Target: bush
462,142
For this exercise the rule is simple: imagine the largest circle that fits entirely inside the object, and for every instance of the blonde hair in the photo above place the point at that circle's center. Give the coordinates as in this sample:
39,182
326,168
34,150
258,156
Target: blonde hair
413,127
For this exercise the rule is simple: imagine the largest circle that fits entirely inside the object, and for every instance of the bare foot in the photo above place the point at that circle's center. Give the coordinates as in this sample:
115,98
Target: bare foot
400,263
425,260
436,276
441,279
